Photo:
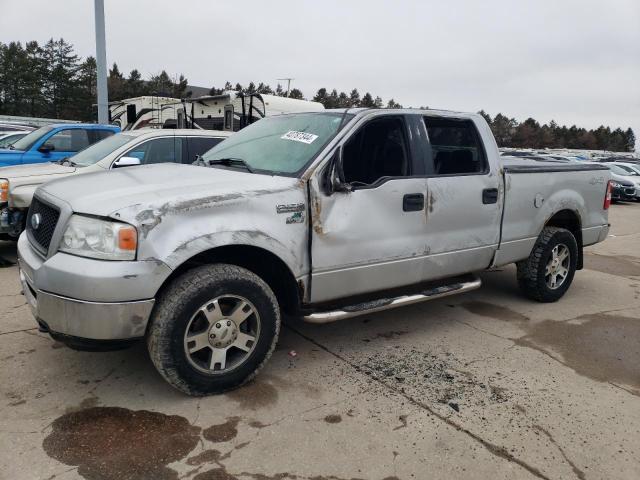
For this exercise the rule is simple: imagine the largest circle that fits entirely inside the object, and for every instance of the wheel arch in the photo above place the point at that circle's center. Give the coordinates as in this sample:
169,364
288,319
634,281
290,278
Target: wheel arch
569,220
264,263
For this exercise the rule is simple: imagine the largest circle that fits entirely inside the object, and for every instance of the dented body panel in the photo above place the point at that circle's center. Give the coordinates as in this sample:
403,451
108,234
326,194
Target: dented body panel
335,244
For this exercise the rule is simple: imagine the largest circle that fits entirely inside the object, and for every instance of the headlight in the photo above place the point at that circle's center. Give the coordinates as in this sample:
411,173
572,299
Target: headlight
616,184
102,239
4,190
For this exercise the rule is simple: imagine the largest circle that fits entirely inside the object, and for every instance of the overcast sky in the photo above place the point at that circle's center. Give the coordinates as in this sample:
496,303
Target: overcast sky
575,61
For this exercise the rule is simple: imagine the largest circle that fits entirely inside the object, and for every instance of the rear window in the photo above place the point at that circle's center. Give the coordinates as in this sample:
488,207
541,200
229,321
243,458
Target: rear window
456,147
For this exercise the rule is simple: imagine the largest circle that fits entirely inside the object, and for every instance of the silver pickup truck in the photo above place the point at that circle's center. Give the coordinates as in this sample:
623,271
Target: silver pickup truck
322,215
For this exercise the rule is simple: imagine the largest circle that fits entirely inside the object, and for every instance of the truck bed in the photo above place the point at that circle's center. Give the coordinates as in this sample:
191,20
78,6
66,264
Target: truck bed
535,190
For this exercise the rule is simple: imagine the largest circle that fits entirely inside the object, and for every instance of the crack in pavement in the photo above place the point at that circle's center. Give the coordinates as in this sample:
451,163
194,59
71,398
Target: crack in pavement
18,331
579,473
490,447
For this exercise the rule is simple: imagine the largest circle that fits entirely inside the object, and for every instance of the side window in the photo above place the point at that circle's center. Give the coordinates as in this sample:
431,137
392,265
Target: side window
158,150
97,135
70,140
456,147
200,145
379,149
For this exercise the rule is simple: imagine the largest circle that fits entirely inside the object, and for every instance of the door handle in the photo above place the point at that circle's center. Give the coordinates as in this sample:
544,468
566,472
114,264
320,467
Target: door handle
413,202
489,195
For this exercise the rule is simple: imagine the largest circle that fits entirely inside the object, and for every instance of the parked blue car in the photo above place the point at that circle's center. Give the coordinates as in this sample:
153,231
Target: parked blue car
54,142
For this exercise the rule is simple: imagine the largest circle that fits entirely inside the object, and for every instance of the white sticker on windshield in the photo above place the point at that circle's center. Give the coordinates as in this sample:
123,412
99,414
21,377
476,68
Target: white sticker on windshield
303,137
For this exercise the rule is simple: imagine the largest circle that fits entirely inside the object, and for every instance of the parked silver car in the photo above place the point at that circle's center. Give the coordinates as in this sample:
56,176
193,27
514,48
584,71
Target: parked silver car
138,147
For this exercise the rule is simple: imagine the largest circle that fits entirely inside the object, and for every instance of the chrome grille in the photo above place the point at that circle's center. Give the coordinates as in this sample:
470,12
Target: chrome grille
46,223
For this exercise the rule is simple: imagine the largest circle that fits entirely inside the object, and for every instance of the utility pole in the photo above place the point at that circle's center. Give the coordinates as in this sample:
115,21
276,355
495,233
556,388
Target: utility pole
288,83
101,61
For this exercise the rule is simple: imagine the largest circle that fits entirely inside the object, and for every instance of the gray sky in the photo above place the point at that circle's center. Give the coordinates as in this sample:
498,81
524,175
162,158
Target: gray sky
575,61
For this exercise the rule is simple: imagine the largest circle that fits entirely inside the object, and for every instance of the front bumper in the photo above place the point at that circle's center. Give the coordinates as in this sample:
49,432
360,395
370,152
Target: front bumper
89,299
86,320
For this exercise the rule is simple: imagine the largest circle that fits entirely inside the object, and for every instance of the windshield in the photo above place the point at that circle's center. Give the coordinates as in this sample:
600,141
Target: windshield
98,151
626,170
26,142
10,139
283,144
619,170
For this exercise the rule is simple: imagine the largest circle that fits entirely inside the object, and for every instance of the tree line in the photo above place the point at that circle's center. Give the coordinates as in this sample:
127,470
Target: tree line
530,134
51,80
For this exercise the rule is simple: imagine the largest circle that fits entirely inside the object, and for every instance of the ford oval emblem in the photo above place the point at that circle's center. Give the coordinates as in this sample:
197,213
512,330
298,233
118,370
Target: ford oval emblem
36,220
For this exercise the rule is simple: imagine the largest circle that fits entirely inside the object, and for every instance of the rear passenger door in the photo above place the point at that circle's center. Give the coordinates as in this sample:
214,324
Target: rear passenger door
463,205
167,149
197,146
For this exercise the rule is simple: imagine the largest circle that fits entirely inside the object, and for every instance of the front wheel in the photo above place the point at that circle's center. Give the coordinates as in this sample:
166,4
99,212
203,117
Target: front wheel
548,272
213,328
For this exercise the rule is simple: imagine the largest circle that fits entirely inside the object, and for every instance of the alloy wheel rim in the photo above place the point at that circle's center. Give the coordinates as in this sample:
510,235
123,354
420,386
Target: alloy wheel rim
557,269
222,334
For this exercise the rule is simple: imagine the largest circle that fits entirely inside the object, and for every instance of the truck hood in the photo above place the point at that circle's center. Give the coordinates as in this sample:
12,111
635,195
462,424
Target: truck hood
133,192
35,169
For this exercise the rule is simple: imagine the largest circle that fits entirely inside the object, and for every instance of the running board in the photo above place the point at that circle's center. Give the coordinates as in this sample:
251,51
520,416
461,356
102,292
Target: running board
388,303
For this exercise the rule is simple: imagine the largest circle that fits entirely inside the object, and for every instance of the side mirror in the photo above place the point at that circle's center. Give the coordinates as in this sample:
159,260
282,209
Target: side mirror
126,162
333,177
46,147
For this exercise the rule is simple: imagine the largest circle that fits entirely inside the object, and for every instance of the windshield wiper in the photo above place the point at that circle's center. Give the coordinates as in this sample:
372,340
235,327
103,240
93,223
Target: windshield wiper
231,162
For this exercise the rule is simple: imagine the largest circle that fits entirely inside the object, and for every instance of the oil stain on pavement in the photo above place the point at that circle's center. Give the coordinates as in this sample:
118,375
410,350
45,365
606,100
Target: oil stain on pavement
621,265
109,443
486,309
602,347
223,432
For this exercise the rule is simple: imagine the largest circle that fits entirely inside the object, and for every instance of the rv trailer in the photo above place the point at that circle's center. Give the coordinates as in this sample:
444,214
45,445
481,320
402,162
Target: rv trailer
229,111
232,111
143,112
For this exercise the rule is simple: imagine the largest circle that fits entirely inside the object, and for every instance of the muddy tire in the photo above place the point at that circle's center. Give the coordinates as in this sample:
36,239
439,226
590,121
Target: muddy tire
213,328
548,272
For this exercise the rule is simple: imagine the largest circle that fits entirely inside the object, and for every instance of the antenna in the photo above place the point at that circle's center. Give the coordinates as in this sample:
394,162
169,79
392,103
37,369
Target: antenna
288,83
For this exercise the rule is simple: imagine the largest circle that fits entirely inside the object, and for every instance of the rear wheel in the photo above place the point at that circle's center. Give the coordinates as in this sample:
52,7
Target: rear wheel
548,272
213,328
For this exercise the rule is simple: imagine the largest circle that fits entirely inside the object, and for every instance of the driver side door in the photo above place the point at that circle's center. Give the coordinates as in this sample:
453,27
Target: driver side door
372,237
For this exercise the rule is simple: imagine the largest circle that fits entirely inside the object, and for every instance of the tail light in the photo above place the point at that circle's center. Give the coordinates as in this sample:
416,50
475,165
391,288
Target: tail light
607,197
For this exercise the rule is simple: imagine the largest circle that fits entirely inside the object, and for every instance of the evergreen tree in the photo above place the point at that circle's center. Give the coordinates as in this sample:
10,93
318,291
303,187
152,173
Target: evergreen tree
161,85
630,140
87,89
179,87
393,104
486,116
296,93
321,97
264,89
61,77
134,85
367,101
354,98
116,84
